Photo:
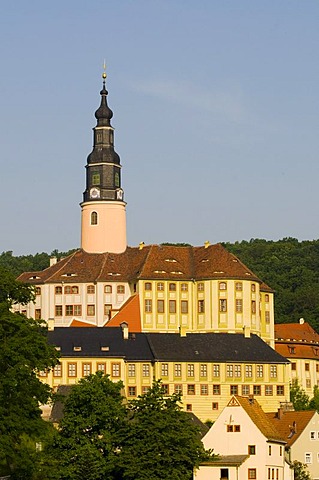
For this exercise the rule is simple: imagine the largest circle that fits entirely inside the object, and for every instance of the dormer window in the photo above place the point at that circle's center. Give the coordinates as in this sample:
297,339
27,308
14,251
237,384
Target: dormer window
291,349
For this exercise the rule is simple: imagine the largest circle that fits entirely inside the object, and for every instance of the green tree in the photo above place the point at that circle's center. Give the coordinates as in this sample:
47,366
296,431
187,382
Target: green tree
298,396
86,443
159,440
314,402
301,471
24,351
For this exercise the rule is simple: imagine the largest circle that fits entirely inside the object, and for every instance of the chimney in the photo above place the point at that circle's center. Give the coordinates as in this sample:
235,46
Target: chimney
247,331
141,245
280,413
124,327
50,324
301,321
294,426
207,243
53,261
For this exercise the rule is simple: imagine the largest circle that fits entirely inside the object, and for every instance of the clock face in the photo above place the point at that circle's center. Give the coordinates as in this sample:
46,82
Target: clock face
95,193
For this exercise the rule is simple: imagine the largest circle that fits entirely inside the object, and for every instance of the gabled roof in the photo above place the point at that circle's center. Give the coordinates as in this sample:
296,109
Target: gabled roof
259,418
129,313
226,460
150,262
295,350
299,332
290,425
195,347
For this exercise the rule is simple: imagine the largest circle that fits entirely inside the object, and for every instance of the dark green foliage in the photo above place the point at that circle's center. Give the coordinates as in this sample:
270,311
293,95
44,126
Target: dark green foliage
301,471
29,263
291,268
159,441
86,445
23,352
298,396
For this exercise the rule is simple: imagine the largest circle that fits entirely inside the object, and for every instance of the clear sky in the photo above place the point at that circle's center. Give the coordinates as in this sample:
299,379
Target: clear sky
215,103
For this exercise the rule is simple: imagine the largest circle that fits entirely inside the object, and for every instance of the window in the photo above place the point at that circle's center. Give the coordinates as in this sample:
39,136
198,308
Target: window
95,178
268,390
145,389
116,177
237,370
57,371
245,389
172,306
191,389
200,287
252,473
116,369
280,451
86,369
308,457
108,289
178,389
58,311
260,371
131,369
146,370
203,370
253,306
38,290
77,310
257,390
37,313
280,390
90,289
216,370
312,435
215,406
253,287
229,370
94,218
148,286
267,316
234,389
248,371
178,370
132,391
160,286
204,389
148,306
172,287
201,306
165,389
58,290
160,306
291,349
75,289
43,373
72,369
238,286
216,389
308,383
222,286
184,306
222,305
107,309
67,289
164,370
120,289
239,305
269,449
273,371
101,367
266,298
90,310
184,287
307,368
189,407
68,310
293,366
190,370
251,449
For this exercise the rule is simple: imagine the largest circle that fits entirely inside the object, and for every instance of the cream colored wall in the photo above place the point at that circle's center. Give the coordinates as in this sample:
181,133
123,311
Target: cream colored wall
304,444
214,473
109,235
302,375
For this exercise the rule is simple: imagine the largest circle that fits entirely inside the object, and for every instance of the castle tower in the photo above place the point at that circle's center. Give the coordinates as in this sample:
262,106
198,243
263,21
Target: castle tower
103,225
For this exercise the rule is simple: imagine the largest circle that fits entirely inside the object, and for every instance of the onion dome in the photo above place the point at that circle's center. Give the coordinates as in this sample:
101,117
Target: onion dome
103,114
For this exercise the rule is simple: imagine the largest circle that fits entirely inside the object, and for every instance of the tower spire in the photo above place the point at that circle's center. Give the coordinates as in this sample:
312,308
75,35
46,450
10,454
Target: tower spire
103,206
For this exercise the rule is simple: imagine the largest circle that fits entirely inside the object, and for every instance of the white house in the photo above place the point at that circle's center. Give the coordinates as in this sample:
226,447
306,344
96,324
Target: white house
248,445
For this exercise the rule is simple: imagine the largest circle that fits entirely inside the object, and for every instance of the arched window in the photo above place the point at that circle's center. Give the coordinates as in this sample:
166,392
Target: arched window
108,288
94,218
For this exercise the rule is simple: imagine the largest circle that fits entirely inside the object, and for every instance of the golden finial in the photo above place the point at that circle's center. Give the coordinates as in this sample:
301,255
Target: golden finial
104,72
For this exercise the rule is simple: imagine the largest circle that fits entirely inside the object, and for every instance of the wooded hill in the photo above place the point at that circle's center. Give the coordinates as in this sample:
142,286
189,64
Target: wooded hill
288,266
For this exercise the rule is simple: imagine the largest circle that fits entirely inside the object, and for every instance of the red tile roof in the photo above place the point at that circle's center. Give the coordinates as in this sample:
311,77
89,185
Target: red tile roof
290,425
129,313
296,331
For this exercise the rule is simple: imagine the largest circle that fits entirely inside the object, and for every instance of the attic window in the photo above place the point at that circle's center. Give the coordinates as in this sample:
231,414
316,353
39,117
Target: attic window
69,274
247,273
291,349
58,349
159,271
219,272
105,349
177,273
171,260
205,260
77,349
35,277
114,274
235,260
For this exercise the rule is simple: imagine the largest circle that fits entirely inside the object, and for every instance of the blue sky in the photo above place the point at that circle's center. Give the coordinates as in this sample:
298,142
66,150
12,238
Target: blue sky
215,113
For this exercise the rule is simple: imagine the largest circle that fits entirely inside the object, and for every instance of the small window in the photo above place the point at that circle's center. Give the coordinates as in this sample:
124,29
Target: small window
107,310
257,390
280,390
312,435
308,457
201,306
269,449
172,287
132,391
229,370
58,311
90,310
101,367
216,389
267,316
160,306
131,369
239,305
238,286
77,310
38,290
248,371
178,369
37,314
58,290
252,474
108,289
117,179
267,298
234,389
308,383
68,310
307,367
237,370
160,286
204,389
245,389
90,289
215,406
189,407
94,218
216,370
222,305
72,369
222,286
164,370
172,306
120,289
165,389
96,178
200,287
184,306
251,449
253,287
148,306
273,371
57,371
190,370
190,389
203,370
291,349
116,369
260,371
184,287
75,289
148,286
145,389
146,370
178,389
268,390
86,369
253,306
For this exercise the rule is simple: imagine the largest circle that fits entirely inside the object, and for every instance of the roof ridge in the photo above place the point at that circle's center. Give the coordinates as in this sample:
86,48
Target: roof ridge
145,260
105,257
66,262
